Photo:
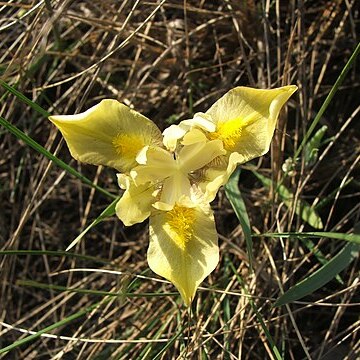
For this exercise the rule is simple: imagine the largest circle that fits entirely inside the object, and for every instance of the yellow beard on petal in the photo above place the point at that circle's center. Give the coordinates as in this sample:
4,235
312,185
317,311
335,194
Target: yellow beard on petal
228,132
181,220
128,145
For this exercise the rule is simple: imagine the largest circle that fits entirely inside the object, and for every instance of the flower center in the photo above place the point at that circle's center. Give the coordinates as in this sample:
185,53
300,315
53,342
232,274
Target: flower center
181,220
228,132
128,145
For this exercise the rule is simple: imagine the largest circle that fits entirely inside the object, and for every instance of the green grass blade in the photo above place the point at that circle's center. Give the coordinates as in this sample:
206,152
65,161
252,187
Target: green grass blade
328,99
312,146
168,344
233,194
109,211
318,254
36,146
54,326
260,319
322,276
354,238
303,209
54,253
24,99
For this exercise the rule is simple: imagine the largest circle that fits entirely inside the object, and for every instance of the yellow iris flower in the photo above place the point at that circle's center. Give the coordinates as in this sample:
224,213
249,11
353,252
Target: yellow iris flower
172,177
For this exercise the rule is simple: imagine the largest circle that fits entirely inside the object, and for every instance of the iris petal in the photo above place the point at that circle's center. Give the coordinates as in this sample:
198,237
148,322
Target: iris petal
195,156
183,247
245,119
108,134
136,203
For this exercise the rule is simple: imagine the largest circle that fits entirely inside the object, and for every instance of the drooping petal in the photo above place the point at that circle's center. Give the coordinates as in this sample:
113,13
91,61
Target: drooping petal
245,119
136,203
109,133
183,247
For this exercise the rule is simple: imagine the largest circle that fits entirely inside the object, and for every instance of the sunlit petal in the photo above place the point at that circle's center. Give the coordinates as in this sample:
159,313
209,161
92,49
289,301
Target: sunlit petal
176,132
193,136
136,203
172,134
217,174
174,187
203,121
156,165
183,247
109,134
195,156
245,119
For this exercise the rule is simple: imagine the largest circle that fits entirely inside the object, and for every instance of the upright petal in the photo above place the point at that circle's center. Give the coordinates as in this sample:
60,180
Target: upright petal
245,119
183,246
197,155
109,133
155,165
136,203
217,174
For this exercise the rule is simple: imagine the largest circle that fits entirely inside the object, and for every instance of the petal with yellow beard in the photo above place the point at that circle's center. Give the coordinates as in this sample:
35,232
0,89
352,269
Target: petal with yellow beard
183,246
109,133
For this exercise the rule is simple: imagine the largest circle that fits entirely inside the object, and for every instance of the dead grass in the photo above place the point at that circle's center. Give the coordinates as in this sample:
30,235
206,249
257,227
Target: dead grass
169,59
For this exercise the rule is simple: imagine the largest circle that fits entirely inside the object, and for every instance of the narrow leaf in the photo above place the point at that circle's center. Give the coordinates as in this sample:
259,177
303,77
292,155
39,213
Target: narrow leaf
328,99
109,211
322,276
233,194
312,146
24,99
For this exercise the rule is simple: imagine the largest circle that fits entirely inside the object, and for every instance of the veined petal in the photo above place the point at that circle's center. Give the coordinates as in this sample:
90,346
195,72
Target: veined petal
195,156
175,187
136,203
108,134
245,119
183,247
156,164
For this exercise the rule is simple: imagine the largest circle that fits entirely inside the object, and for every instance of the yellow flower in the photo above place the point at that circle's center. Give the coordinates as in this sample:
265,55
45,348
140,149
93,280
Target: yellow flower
173,178
244,120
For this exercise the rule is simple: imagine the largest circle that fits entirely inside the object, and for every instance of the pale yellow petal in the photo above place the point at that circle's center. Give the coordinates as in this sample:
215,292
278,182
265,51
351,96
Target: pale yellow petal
174,187
109,133
193,136
183,247
217,174
136,203
195,156
246,118
156,165
172,134
202,121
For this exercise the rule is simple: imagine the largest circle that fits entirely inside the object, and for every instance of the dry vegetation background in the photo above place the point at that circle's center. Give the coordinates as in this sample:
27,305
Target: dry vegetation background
169,59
